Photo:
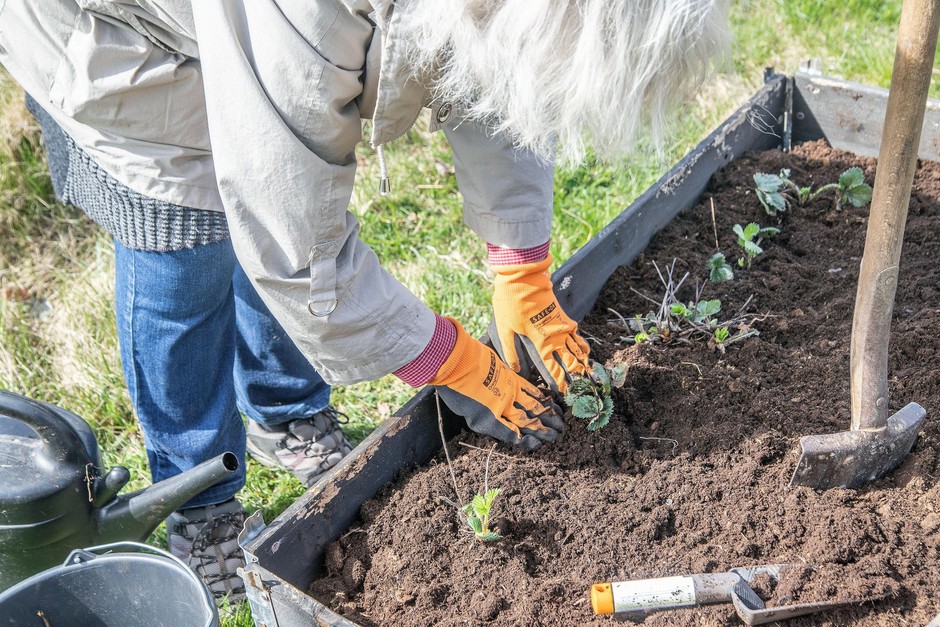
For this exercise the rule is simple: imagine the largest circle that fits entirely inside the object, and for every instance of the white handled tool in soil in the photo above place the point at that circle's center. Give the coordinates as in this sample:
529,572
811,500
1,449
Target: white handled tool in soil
734,586
877,443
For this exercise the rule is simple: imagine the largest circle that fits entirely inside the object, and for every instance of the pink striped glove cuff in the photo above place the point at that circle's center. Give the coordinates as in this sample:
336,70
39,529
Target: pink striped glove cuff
423,368
499,256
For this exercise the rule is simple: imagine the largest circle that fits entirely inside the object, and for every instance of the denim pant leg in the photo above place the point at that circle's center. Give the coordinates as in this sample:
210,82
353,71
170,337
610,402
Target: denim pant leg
176,330
274,382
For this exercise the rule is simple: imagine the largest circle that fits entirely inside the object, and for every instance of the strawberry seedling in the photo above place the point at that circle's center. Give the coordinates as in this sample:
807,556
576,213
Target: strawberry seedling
589,397
749,239
478,512
777,192
675,321
718,269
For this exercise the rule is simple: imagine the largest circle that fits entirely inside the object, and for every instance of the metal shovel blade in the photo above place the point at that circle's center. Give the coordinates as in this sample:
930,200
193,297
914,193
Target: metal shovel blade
750,608
852,458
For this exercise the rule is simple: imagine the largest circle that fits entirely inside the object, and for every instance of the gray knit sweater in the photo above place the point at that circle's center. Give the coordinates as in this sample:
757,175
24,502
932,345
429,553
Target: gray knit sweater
135,220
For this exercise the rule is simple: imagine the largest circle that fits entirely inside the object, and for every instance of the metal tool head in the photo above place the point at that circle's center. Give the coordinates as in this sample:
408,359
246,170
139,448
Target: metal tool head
750,607
851,458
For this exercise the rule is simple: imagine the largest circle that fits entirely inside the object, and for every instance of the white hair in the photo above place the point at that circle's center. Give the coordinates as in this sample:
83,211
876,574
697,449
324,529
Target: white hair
591,74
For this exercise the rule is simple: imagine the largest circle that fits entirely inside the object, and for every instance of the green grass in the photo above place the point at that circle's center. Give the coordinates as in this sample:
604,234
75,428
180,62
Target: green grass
57,340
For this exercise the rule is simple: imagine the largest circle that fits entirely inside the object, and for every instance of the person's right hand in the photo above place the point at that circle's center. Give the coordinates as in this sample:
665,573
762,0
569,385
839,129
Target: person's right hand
494,400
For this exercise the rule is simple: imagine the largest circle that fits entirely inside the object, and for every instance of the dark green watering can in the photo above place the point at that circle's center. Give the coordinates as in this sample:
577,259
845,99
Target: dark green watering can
55,496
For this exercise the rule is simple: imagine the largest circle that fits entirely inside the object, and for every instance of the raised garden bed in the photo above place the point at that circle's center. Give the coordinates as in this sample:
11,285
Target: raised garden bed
692,473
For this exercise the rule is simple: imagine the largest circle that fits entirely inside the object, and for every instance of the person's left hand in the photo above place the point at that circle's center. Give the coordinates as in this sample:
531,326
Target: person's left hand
529,318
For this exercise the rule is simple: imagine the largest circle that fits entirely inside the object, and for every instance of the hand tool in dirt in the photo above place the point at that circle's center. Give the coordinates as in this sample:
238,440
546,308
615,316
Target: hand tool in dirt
734,586
876,443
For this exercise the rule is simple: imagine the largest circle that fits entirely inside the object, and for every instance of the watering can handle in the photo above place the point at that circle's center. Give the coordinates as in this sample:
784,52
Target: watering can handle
897,160
59,440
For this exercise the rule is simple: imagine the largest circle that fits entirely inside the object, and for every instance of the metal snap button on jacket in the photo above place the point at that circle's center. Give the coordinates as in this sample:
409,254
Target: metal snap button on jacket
444,113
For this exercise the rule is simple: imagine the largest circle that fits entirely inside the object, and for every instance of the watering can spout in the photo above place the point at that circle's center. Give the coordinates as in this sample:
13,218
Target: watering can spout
135,516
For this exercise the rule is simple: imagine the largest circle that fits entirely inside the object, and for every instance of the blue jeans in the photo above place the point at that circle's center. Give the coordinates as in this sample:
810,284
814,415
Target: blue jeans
198,345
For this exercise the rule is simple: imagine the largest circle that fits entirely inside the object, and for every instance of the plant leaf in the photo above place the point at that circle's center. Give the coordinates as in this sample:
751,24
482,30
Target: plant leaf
851,178
479,506
724,273
721,334
476,524
853,189
752,249
603,377
618,375
768,231
603,417
489,497
586,407
739,231
716,261
680,310
706,308
772,201
751,231
767,182
598,423
489,536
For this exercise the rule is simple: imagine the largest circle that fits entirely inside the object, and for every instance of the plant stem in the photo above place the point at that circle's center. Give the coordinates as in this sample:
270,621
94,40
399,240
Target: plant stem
440,426
824,188
714,226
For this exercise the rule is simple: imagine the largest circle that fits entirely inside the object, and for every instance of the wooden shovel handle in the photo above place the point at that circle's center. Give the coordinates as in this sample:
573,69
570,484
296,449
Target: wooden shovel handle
897,160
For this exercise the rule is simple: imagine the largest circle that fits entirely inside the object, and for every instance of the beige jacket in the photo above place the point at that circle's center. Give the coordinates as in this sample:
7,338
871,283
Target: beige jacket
254,106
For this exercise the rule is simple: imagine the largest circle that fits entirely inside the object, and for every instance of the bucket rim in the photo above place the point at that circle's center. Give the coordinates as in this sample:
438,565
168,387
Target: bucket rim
105,552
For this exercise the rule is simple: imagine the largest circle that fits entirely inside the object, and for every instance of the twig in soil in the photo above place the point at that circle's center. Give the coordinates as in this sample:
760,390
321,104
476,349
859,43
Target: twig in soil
694,365
486,471
40,614
492,452
352,531
675,443
622,319
714,226
591,338
440,426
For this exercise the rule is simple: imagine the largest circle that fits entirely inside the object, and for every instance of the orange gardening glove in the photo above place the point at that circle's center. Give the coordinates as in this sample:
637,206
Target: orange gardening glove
493,399
529,319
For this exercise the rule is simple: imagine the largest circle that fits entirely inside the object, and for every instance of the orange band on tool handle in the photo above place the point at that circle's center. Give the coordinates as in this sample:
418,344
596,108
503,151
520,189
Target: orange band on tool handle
602,598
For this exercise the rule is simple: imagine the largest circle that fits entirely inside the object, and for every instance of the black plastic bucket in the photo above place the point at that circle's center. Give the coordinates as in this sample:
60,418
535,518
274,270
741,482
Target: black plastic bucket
145,588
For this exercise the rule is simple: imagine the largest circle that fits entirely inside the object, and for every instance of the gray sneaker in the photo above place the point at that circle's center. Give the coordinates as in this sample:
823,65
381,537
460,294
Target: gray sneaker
307,447
206,538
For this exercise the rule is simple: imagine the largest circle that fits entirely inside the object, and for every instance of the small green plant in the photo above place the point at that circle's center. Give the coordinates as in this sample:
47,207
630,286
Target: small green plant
677,322
777,192
851,189
589,397
749,239
721,335
478,512
700,312
718,269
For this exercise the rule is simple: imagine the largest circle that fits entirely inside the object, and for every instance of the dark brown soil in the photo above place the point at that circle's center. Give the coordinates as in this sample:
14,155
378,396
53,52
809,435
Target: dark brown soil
692,474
